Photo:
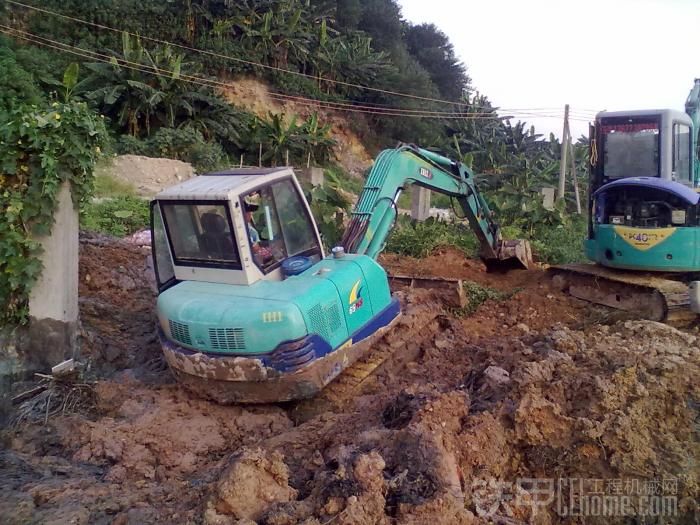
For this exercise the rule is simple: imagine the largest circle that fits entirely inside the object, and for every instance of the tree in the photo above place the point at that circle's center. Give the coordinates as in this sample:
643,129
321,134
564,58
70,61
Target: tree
17,86
434,51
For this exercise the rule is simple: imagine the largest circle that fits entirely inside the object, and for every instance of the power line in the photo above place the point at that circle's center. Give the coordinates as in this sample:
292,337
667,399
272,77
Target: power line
234,59
252,63
107,59
313,103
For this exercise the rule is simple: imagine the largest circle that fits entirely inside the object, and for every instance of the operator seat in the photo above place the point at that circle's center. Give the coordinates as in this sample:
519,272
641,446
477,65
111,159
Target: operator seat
217,242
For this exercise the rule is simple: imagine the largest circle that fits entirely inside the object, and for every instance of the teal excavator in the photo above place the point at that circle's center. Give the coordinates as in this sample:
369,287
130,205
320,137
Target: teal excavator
644,222
249,307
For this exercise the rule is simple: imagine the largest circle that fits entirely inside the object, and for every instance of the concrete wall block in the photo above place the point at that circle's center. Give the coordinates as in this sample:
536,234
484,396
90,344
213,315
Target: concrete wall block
314,176
53,303
420,205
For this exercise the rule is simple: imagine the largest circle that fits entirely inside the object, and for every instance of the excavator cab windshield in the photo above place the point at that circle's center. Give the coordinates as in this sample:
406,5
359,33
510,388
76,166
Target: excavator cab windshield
631,147
278,225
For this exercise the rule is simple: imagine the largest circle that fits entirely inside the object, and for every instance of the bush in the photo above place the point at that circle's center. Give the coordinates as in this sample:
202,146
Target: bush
552,245
185,144
119,216
420,239
561,244
129,145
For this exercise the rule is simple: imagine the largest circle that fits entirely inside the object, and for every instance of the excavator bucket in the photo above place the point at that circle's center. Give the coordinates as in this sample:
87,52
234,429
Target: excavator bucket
511,255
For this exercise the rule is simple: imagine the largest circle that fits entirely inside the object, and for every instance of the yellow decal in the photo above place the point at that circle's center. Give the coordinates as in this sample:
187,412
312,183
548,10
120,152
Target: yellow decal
353,293
643,238
272,317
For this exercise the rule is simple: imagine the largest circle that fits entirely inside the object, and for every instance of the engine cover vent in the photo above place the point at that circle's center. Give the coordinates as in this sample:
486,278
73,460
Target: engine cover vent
325,320
180,332
227,338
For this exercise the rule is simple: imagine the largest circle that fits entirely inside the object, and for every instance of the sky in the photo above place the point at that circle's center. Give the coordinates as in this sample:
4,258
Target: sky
592,54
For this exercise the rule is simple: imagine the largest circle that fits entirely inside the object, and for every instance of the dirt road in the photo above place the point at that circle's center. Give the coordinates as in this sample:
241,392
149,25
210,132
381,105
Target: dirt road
488,411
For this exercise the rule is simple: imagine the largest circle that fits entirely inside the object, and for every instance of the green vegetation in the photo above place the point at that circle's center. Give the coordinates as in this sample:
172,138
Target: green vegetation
108,186
477,295
159,96
40,148
420,239
117,216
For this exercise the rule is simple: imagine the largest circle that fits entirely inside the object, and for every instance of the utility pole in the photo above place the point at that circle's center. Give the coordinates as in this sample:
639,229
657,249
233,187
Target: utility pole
574,177
564,152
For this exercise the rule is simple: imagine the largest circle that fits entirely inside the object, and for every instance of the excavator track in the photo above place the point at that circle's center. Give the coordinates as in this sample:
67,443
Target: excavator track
418,324
646,295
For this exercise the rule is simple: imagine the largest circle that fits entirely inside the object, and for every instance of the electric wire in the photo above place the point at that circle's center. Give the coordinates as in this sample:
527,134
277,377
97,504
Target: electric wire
100,57
264,66
107,59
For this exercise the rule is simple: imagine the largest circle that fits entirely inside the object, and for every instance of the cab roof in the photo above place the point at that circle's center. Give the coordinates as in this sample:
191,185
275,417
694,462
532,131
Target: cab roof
223,184
672,113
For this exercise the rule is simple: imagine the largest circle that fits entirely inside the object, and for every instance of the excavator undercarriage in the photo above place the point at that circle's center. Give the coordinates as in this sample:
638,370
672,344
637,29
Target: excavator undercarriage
653,296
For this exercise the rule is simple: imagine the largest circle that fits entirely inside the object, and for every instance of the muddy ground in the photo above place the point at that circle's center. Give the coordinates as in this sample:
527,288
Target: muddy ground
476,423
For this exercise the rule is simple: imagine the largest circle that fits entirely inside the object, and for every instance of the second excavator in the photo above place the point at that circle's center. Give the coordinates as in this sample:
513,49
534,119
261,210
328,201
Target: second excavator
644,222
251,310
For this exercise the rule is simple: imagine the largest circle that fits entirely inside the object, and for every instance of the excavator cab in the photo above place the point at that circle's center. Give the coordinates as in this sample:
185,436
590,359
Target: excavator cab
643,200
236,227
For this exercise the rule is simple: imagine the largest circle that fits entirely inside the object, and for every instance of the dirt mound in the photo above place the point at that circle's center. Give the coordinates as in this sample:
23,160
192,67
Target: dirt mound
478,419
254,96
527,300
253,481
117,298
148,175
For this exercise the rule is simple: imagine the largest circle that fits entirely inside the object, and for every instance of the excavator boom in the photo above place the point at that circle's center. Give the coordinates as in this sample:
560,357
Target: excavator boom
376,210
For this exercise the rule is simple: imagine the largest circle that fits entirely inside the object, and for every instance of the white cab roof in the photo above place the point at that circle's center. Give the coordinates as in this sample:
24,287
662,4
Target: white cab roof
221,185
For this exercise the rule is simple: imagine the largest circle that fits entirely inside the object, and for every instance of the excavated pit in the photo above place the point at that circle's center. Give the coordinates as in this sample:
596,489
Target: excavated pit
529,386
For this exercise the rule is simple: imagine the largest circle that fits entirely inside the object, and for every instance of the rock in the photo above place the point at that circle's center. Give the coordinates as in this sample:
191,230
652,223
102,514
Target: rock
523,328
496,376
253,481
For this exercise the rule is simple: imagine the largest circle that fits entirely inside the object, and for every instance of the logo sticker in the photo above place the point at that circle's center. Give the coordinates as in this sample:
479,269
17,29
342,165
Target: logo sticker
643,239
355,299
426,173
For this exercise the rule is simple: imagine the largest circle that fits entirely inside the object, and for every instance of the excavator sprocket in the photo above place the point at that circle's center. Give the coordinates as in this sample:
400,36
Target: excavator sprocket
646,295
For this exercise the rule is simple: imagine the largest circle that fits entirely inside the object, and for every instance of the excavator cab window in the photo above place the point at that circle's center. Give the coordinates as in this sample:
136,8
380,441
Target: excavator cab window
630,148
681,153
280,219
162,262
200,234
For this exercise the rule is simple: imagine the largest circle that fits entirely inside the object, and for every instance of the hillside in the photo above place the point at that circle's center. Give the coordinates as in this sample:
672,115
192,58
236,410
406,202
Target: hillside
349,151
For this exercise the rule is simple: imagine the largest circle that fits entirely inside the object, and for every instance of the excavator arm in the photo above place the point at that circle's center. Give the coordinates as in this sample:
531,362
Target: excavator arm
375,213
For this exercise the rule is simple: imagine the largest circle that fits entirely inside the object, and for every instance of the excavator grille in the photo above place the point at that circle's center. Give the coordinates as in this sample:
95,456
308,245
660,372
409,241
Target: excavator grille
325,320
227,338
180,332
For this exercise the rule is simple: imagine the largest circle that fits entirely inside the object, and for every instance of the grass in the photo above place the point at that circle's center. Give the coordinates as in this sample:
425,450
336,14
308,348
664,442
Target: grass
117,216
107,185
551,244
478,295
420,239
